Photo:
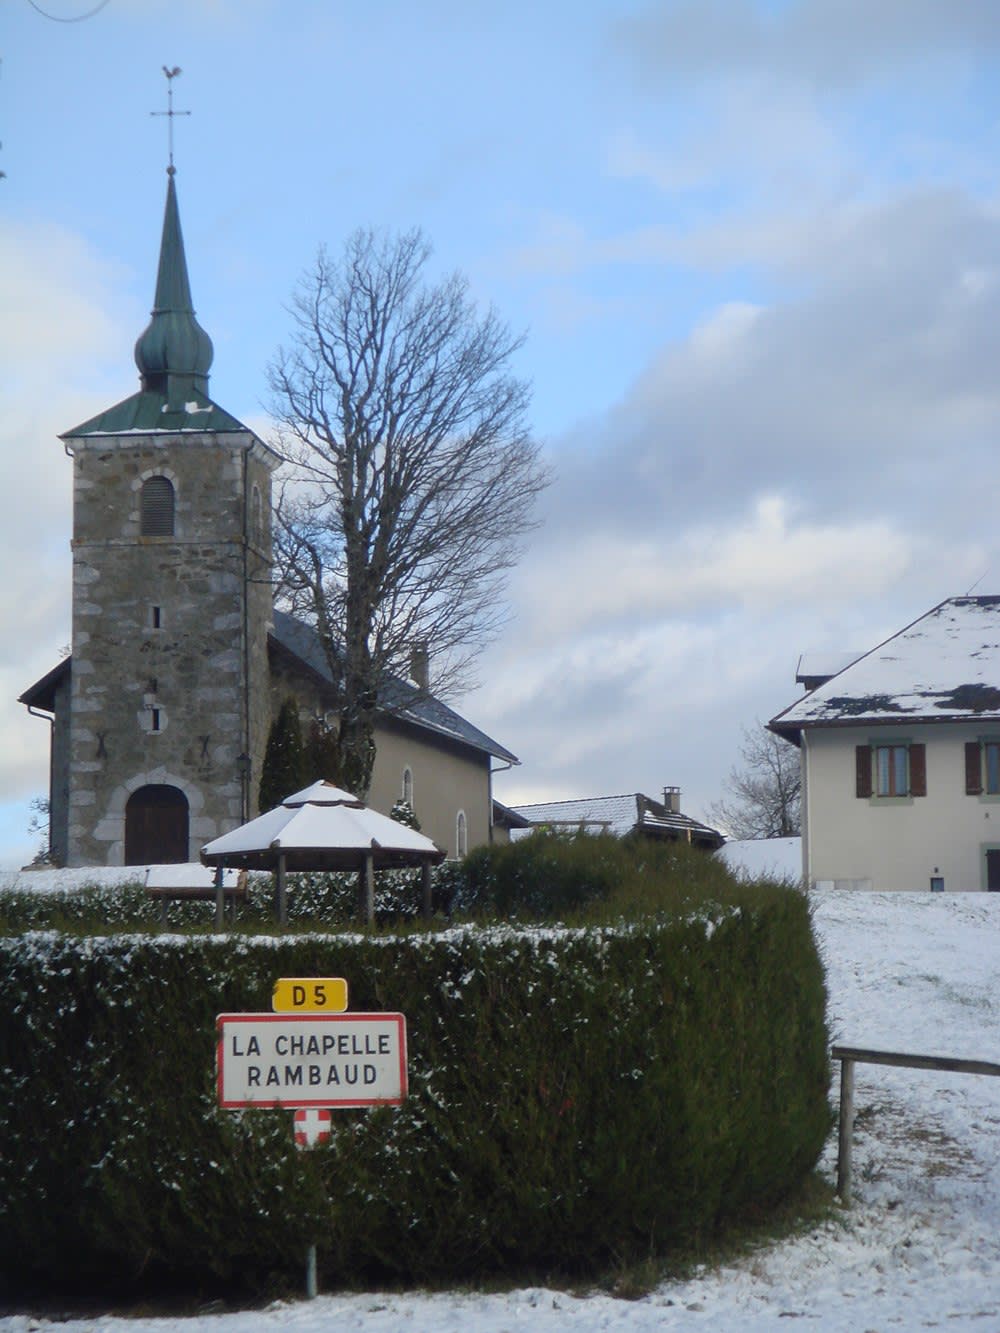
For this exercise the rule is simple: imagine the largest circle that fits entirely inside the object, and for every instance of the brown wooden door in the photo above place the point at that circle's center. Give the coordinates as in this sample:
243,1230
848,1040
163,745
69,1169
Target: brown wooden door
156,826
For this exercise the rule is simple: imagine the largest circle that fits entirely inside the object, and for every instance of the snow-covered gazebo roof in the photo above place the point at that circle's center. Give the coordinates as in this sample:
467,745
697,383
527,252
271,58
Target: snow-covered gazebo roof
322,827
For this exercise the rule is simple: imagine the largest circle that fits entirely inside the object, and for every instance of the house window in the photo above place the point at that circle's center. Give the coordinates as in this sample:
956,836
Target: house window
461,834
407,792
156,507
890,769
982,768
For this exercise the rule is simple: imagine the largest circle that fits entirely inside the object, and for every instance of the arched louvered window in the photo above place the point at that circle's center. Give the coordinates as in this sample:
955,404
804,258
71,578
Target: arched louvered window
461,834
156,508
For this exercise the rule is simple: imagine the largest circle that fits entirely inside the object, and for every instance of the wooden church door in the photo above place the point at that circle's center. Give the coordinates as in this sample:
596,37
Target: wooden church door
156,826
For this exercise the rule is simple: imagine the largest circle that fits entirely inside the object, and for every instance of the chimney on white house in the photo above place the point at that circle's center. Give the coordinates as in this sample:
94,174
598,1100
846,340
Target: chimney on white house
420,665
672,799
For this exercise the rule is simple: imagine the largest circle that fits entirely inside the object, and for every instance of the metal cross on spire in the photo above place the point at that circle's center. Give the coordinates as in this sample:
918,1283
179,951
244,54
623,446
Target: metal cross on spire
170,113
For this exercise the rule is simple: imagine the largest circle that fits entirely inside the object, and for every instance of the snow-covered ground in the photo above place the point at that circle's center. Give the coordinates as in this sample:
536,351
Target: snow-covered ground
919,1248
756,858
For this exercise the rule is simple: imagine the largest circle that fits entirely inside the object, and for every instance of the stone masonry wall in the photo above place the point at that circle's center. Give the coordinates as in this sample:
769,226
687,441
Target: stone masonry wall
168,685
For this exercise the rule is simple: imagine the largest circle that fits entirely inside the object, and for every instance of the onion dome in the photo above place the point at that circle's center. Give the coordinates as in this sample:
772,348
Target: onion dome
174,353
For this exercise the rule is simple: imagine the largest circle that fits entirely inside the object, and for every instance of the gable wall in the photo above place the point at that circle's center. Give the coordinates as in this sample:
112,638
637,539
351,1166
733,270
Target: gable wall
889,844
446,777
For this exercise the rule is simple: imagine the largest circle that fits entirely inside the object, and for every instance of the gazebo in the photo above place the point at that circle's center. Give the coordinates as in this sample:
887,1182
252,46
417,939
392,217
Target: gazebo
325,828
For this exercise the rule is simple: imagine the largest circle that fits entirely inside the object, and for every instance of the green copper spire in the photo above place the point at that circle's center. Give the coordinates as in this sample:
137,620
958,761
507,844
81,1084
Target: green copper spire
174,353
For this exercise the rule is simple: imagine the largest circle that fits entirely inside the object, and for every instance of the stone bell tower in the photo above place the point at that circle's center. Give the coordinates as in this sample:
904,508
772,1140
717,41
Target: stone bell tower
159,736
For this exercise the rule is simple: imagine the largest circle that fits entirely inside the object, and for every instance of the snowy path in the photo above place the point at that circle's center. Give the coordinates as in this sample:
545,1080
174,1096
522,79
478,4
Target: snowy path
920,1248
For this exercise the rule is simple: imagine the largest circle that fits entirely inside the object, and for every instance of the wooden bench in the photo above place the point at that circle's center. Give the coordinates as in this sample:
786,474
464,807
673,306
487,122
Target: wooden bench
197,883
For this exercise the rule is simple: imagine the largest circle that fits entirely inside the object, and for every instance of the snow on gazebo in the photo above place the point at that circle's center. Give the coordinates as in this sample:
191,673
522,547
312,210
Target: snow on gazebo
323,827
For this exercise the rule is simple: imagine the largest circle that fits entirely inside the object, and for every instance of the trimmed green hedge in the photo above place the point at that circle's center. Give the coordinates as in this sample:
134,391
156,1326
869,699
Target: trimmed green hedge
577,1096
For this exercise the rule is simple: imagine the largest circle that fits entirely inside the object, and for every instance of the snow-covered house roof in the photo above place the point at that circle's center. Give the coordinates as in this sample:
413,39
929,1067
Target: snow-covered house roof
815,669
620,815
943,667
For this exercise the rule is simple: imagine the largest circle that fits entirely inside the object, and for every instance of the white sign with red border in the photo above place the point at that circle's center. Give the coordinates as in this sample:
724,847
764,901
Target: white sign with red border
311,1060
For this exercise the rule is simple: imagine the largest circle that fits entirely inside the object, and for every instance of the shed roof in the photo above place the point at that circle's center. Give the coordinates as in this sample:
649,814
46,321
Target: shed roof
618,815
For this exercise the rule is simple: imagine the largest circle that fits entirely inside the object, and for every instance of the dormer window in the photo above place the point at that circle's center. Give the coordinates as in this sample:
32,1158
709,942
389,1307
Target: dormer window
156,507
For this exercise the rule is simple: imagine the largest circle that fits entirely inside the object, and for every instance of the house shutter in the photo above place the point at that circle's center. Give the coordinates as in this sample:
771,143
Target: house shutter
863,770
973,769
918,770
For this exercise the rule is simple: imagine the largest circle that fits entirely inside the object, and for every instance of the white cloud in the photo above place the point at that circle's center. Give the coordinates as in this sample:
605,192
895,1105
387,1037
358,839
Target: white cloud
65,330
812,472
765,557
55,291
831,44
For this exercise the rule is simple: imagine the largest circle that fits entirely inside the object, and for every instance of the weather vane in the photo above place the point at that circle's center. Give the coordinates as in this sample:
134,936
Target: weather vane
170,113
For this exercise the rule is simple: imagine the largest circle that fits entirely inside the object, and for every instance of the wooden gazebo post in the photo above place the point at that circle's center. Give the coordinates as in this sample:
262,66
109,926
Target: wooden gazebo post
280,896
367,887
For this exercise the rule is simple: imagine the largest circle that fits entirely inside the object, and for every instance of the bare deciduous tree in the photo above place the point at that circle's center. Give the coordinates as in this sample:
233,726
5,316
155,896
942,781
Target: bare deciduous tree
763,792
413,474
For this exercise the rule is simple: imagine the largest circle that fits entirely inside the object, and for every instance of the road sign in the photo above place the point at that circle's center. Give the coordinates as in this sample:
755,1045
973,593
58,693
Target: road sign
312,1126
311,1060
309,995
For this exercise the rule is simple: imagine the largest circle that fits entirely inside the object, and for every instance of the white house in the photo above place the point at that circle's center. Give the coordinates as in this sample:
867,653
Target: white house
901,758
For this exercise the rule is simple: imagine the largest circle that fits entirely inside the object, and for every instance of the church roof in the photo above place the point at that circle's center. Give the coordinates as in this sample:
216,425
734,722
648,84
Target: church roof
173,354
43,693
399,699
145,413
293,636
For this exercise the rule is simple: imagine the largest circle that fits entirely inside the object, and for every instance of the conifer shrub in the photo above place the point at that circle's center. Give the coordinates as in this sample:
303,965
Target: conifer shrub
578,1096
284,769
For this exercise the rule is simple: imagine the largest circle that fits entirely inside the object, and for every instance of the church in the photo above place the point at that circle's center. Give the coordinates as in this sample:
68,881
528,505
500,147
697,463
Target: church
160,715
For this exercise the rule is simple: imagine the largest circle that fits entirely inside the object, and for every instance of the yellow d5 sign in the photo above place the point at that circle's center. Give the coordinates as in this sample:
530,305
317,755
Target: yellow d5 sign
309,995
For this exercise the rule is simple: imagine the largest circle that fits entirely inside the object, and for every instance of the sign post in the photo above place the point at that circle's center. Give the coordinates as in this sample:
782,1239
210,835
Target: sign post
310,1055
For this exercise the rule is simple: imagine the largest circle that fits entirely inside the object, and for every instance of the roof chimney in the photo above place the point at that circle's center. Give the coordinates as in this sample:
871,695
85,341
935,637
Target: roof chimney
420,665
672,799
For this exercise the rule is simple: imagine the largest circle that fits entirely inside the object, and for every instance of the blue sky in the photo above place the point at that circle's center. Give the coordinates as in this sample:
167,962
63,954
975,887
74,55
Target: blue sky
755,248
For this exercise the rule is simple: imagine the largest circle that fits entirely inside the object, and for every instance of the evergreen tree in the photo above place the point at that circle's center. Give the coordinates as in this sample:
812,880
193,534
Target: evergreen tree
322,754
402,813
284,769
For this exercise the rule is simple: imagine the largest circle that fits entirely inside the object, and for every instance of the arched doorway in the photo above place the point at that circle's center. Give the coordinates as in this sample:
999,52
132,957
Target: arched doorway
156,826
